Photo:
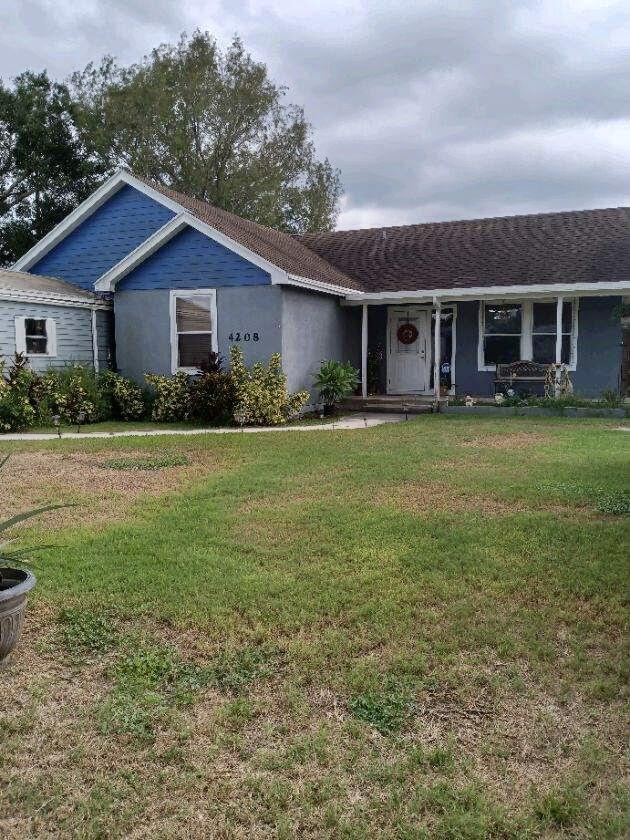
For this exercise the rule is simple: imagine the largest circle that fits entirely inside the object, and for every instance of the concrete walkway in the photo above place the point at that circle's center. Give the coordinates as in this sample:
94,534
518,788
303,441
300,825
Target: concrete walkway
362,421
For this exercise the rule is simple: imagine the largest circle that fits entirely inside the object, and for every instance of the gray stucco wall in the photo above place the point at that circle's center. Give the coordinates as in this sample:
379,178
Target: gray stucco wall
598,349
74,333
316,327
143,327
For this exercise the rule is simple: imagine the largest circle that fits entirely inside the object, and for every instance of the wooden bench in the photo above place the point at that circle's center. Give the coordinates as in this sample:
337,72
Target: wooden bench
508,375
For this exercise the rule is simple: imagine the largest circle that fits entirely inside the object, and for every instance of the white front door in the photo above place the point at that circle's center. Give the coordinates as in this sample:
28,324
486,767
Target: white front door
408,350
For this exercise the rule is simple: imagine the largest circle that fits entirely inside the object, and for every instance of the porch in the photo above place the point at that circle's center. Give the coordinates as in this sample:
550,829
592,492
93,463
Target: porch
416,351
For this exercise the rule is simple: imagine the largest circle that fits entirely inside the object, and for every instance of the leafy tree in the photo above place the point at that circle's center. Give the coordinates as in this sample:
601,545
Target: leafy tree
212,124
47,166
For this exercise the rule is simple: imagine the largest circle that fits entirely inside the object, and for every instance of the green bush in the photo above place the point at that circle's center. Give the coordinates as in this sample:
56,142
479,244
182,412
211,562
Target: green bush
126,399
17,392
335,381
262,398
212,397
171,397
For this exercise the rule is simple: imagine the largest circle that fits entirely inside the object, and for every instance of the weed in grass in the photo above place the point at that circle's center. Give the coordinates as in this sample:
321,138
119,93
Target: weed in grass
387,710
82,632
561,807
233,670
615,504
150,462
441,758
150,681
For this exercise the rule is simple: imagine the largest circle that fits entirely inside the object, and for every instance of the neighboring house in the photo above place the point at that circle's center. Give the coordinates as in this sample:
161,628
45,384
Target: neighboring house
186,278
53,322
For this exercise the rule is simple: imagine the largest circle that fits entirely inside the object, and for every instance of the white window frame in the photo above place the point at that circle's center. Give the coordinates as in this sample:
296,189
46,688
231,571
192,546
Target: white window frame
527,325
51,336
214,343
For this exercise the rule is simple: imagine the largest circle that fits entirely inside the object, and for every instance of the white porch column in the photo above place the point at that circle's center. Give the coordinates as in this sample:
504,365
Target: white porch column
364,349
559,306
437,349
559,330
94,342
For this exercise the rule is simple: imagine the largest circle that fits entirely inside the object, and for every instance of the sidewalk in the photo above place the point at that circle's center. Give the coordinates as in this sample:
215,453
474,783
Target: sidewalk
362,421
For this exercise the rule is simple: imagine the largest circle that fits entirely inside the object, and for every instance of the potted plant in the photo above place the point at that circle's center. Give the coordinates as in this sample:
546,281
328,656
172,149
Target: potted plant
15,584
335,381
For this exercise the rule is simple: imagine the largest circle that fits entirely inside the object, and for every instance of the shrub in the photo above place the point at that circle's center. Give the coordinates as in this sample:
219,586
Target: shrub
171,397
127,400
261,393
213,397
17,392
612,399
335,381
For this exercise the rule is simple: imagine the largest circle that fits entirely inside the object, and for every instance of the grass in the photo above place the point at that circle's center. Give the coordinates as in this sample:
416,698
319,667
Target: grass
407,631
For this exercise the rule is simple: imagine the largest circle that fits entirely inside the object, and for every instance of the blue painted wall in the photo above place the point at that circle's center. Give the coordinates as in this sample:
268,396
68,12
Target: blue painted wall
598,349
102,240
190,260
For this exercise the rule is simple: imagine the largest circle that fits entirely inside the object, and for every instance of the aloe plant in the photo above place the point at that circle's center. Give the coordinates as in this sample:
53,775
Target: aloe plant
7,557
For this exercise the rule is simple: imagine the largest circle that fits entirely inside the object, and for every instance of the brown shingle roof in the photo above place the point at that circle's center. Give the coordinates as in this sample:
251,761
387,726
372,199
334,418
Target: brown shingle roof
22,281
576,246
279,248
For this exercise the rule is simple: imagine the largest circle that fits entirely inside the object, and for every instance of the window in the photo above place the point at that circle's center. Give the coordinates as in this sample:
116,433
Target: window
192,319
527,330
544,332
502,333
35,336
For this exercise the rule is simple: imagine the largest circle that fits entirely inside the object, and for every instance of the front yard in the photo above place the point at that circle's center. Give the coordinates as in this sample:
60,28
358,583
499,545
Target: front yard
411,631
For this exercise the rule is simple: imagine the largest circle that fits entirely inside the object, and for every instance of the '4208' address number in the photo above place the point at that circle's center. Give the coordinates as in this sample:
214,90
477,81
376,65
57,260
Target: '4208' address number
245,336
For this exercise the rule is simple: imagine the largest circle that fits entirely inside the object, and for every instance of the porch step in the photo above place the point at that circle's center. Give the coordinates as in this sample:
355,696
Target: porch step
387,405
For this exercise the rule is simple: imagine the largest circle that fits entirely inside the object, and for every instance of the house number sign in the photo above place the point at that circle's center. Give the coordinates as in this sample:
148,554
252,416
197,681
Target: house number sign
244,336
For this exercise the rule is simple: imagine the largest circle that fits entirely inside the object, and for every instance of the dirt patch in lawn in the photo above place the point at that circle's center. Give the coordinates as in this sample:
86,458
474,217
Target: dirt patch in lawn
512,440
439,497
32,479
434,496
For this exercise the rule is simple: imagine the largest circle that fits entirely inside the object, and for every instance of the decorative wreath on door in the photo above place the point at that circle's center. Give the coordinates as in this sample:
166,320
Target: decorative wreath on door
407,333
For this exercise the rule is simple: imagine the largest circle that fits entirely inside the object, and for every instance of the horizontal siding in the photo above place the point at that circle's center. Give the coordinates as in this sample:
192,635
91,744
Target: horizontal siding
103,239
74,333
192,260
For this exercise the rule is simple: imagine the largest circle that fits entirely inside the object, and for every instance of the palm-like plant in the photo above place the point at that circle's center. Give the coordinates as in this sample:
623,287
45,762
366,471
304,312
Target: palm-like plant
335,381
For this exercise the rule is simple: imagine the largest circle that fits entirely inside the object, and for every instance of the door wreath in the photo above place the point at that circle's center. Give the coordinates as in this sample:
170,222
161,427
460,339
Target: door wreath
407,333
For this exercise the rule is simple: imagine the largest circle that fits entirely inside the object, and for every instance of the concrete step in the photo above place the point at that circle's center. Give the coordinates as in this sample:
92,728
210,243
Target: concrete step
389,407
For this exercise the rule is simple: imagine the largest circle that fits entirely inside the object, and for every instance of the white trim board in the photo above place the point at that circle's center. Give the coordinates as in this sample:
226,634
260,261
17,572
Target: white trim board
51,299
534,290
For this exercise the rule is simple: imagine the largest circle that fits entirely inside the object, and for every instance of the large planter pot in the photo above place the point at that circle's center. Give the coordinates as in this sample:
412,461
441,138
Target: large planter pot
14,588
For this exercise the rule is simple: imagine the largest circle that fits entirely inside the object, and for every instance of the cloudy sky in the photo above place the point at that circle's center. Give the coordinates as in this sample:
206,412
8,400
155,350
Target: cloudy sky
432,110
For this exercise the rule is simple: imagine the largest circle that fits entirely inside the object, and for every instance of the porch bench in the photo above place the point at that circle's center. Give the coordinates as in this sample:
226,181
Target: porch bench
517,372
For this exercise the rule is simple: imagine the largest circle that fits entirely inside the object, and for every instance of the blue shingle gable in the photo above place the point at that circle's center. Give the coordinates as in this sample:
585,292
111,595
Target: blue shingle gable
122,223
191,260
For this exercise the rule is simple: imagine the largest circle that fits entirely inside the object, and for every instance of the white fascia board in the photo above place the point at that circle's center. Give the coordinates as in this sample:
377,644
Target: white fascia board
315,285
51,299
617,287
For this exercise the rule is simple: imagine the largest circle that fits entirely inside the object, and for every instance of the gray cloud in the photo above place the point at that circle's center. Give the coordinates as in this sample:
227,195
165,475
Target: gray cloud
430,109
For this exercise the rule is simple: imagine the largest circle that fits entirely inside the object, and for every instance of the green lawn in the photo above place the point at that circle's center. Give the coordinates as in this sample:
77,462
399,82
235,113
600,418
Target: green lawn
411,631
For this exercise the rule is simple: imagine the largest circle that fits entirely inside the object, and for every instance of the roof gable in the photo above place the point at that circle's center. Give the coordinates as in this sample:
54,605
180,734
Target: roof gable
191,260
103,238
